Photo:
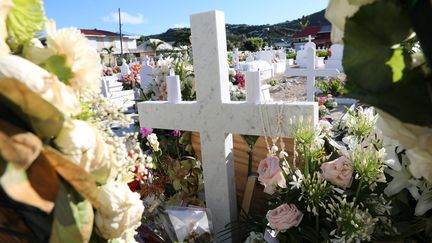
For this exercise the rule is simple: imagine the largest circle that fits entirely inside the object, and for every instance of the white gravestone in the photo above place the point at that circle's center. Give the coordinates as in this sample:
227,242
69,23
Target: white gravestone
335,61
250,58
146,73
125,70
256,91
301,57
215,116
311,72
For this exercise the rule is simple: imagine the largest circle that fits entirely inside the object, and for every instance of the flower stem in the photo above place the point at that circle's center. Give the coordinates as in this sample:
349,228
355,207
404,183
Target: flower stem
317,226
306,161
358,189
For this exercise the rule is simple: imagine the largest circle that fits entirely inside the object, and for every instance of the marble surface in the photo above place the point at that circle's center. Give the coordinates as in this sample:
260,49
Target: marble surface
216,117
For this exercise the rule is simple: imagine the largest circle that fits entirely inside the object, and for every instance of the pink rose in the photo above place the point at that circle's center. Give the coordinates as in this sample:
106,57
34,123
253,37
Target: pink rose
284,217
338,172
270,174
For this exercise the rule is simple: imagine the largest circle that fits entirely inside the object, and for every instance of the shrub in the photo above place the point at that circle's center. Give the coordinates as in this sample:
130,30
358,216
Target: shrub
253,44
322,53
291,55
332,86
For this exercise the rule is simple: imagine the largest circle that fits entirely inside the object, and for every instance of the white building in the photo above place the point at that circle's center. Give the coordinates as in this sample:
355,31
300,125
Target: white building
104,39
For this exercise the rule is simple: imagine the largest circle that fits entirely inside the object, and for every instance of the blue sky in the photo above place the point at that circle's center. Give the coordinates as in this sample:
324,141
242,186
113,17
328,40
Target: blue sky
153,17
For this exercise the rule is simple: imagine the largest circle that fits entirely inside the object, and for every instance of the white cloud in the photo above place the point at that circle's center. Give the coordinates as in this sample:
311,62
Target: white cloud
126,18
180,25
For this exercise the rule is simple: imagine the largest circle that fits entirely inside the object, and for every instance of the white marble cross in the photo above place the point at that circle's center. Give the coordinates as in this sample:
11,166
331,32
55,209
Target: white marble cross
311,72
216,117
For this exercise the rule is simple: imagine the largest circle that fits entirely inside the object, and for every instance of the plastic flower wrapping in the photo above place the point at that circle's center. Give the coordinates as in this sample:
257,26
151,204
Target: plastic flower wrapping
58,155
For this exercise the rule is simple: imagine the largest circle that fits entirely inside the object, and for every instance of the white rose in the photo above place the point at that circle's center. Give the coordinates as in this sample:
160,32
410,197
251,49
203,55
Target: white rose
337,11
40,82
82,144
5,5
121,210
153,141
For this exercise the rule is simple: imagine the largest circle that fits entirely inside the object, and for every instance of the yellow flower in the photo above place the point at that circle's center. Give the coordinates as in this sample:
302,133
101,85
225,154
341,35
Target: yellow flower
5,5
81,57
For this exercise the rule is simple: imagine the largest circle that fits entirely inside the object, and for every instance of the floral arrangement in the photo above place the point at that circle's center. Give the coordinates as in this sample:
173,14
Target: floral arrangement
332,189
107,71
182,66
401,59
325,104
237,79
57,154
132,80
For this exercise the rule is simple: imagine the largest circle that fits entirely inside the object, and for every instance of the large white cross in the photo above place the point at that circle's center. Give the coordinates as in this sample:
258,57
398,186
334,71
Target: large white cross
215,116
311,72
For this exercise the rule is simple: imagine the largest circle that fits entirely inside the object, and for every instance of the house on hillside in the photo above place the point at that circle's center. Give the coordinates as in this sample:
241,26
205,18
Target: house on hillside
147,47
320,36
104,39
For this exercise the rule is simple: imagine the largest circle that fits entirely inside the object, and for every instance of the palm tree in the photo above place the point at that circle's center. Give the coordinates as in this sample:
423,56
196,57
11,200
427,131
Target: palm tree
154,44
109,50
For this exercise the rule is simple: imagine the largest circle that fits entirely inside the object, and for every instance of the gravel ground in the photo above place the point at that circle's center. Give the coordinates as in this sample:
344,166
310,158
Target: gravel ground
294,89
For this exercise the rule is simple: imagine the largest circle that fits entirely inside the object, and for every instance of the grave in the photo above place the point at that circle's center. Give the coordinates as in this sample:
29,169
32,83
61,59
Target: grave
216,117
335,60
112,89
146,73
311,72
125,70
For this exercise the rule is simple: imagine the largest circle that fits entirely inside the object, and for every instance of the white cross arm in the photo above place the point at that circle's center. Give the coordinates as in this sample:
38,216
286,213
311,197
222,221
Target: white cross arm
246,118
175,116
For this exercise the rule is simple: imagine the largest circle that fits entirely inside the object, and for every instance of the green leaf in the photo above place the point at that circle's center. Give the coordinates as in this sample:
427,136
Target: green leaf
379,75
369,37
23,21
56,64
397,64
73,217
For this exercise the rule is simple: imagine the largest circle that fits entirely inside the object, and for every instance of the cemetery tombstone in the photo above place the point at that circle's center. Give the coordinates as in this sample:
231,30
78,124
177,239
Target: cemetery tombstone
311,72
216,117
125,70
335,60
146,73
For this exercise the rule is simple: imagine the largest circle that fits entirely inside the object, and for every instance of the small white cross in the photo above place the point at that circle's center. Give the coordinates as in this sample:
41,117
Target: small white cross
311,72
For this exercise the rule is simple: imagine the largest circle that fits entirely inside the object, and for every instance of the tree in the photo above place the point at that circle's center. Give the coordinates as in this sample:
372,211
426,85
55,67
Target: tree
304,22
182,38
253,44
154,45
109,51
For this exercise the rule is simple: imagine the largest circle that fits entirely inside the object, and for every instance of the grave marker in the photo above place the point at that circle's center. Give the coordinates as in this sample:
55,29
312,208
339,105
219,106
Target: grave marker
215,116
311,72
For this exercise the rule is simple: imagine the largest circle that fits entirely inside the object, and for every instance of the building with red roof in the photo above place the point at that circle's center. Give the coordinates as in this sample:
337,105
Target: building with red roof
320,36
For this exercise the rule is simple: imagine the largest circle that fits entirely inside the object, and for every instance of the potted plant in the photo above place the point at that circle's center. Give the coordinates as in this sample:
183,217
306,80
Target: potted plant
290,58
321,54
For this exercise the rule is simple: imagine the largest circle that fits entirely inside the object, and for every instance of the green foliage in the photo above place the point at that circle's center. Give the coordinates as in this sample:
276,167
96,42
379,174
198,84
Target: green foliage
56,64
369,49
253,44
291,55
182,37
24,20
331,86
322,53
273,82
